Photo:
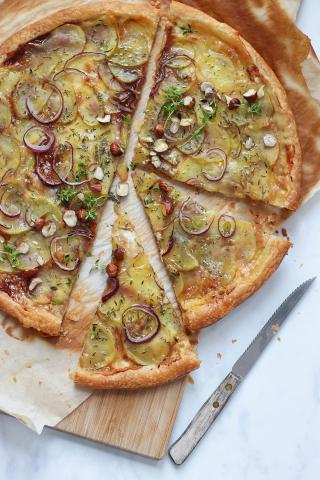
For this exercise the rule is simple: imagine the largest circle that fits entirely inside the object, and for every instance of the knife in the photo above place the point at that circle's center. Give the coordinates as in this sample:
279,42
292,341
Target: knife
209,411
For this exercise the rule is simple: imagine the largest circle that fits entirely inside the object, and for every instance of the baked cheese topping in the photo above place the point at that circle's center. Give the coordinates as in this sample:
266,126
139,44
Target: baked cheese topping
215,120
135,324
66,103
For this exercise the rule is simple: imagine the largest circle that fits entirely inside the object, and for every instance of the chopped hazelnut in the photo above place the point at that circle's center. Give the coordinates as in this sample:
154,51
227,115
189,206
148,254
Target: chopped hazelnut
160,146
49,229
105,119
115,149
34,283
234,103
168,206
159,130
23,247
260,93
249,143
250,95
163,186
122,189
254,73
81,214
112,270
269,140
119,253
98,173
188,101
70,218
95,187
39,223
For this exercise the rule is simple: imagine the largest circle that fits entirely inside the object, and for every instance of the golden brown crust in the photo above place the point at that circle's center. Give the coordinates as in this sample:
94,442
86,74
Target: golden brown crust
82,13
31,316
178,11
201,313
145,376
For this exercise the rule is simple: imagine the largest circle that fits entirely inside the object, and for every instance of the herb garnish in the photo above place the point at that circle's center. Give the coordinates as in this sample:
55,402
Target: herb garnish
173,101
64,195
255,108
11,253
91,204
98,265
186,29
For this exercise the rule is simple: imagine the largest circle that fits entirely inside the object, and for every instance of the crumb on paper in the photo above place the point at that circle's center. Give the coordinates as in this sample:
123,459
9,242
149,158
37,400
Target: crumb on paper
14,379
40,382
285,233
29,365
301,265
279,339
219,355
190,379
275,328
7,352
234,340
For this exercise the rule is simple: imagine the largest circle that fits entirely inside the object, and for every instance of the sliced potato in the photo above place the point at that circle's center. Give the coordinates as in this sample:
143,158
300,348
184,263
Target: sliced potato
99,348
101,37
152,352
9,155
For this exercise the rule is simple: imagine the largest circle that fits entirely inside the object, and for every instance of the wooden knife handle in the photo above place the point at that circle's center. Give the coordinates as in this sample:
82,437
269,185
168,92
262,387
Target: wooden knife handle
209,411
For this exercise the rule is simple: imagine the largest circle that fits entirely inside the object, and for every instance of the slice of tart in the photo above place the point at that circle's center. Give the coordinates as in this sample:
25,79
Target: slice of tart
217,117
135,339
69,85
217,256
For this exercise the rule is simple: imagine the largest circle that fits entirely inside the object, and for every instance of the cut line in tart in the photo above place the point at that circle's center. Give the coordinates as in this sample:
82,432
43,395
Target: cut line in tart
136,339
216,257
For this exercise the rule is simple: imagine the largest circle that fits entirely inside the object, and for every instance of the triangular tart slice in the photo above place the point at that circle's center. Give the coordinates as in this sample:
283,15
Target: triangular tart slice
135,339
216,257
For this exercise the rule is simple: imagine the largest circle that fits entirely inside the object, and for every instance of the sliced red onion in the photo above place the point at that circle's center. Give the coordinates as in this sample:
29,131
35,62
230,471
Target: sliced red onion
169,246
8,213
131,337
223,156
46,143
183,216
45,171
81,232
114,288
226,225
63,176
58,262
57,114
3,225
70,70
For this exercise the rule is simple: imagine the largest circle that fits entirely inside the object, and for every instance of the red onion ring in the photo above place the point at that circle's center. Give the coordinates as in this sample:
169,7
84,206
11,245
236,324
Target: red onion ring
5,211
3,225
70,70
222,153
44,169
169,246
230,219
82,232
64,178
182,216
56,261
113,290
58,113
42,147
145,338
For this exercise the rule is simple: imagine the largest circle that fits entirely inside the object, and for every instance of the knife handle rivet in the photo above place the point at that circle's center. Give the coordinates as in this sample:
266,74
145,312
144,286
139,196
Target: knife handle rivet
216,404
228,387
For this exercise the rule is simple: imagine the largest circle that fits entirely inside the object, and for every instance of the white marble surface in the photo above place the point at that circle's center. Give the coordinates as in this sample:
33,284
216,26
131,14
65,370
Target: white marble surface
271,428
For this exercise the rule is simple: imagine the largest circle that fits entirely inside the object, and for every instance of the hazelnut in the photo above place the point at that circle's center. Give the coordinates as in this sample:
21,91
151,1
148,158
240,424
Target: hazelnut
38,224
105,119
81,214
159,130
40,260
249,143
174,126
98,173
115,149
186,122
207,108
234,103
122,189
119,253
207,88
188,101
112,270
160,146
95,187
250,95
70,218
269,140
168,206
49,229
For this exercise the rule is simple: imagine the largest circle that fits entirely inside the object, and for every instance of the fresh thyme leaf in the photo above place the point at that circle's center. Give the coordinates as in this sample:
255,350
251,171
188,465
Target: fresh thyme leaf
56,301
127,119
11,253
186,29
255,108
173,100
91,204
81,172
64,195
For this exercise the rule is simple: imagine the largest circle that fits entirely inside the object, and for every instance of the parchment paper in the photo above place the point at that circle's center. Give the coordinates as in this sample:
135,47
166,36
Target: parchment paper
34,374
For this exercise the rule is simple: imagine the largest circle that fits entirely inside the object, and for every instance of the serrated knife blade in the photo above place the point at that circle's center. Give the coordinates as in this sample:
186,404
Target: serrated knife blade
209,411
